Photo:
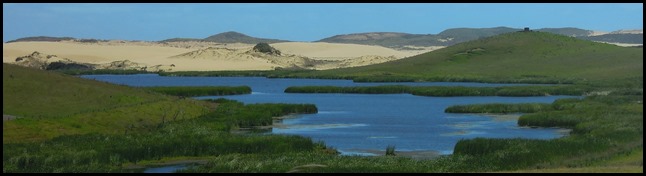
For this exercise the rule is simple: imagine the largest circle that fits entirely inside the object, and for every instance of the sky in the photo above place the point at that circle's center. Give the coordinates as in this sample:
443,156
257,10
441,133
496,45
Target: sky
300,22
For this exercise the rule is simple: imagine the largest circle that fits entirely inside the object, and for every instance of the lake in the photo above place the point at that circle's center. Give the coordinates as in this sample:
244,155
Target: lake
365,124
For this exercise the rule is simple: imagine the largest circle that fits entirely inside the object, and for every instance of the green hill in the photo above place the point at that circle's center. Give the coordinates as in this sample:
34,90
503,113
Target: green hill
460,35
48,104
510,57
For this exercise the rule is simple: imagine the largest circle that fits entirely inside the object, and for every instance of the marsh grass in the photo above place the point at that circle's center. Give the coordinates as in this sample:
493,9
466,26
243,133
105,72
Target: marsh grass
207,135
499,108
187,91
444,91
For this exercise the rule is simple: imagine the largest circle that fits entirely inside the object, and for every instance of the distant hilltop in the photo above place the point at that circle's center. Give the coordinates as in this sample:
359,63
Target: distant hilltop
401,40
229,37
458,35
53,39
634,31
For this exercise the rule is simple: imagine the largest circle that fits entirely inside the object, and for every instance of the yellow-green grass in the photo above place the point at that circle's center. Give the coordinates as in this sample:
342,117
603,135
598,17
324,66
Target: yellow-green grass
49,104
112,121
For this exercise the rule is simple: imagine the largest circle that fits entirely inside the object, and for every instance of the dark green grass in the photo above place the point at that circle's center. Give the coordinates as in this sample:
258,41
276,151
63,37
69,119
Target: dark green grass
201,90
236,114
499,108
604,127
441,91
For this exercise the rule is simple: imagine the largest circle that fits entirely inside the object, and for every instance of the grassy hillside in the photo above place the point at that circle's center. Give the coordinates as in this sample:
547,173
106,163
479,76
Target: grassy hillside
574,32
510,57
48,104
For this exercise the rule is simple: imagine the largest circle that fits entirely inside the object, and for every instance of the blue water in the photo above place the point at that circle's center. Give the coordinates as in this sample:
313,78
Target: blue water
166,169
355,122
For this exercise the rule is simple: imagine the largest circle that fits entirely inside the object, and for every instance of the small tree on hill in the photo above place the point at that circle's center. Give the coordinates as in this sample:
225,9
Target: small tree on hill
265,48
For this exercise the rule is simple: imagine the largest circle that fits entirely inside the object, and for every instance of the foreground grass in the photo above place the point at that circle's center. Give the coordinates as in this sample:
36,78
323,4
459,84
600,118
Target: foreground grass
606,131
617,143
207,135
447,91
618,169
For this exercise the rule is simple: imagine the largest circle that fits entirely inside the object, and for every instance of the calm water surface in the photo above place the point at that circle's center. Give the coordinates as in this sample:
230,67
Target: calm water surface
353,123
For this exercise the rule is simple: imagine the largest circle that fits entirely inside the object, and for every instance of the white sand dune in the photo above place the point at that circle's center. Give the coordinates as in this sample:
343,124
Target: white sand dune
205,56
335,51
150,55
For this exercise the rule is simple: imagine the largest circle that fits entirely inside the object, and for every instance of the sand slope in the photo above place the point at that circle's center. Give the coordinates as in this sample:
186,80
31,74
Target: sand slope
335,51
204,56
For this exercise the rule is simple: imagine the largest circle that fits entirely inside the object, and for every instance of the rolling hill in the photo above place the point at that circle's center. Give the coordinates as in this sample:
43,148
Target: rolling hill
228,37
514,56
398,40
458,35
49,104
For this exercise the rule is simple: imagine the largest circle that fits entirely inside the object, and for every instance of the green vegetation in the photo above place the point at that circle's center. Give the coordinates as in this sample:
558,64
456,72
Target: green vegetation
103,72
57,95
50,104
206,135
67,124
238,115
499,108
260,73
605,129
458,35
201,90
517,57
447,91
266,48
102,151
390,150
575,32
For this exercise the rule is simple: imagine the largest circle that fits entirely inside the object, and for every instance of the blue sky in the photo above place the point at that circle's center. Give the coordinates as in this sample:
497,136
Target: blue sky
300,22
